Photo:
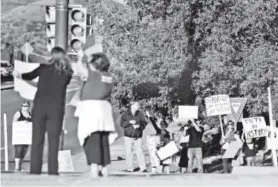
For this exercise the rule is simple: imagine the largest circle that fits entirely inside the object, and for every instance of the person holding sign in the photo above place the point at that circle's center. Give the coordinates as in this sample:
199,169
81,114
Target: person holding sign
49,108
195,132
21,150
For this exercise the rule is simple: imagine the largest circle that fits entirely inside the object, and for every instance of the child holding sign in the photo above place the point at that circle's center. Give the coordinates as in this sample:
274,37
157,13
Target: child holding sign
21,150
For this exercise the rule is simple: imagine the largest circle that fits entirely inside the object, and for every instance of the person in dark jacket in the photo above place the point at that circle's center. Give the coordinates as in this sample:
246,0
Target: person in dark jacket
49,108
134,123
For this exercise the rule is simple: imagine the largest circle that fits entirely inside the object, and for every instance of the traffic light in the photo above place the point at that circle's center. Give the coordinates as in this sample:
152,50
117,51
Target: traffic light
50,15
78,28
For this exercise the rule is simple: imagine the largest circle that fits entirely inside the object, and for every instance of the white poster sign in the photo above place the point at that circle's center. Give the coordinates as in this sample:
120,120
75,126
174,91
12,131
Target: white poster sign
22,133
218,105
272,138
188,112
65,161
254,127
26,89
167,151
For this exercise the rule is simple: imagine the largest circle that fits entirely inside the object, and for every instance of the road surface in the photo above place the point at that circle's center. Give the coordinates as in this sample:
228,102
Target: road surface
11,102
83,179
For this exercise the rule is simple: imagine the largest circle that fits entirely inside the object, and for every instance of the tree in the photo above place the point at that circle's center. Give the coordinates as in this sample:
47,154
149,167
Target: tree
241,56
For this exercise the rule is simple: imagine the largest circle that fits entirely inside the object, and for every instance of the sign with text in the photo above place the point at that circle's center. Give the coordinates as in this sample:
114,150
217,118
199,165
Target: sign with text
254,127
272,138
188,112
22,133
218,105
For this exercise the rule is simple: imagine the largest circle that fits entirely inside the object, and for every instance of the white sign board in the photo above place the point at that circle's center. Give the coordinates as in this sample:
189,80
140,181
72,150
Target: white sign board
22,133
167,151
254,127
65,161
188,112
272,138
26,89
218,105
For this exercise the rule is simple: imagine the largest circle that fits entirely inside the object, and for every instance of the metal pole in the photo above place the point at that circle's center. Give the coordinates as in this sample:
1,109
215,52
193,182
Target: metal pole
61,29
273,151
6,143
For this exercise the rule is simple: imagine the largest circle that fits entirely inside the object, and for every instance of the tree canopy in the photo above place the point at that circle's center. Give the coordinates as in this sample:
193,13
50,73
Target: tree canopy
167,52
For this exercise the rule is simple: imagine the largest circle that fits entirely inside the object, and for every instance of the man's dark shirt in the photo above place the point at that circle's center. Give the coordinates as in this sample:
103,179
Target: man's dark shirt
195,137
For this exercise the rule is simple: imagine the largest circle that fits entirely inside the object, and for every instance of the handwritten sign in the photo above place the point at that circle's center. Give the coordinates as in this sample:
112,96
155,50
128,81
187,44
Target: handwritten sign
254,127
22,133
272,138
26,89
188,112
218,105
65,161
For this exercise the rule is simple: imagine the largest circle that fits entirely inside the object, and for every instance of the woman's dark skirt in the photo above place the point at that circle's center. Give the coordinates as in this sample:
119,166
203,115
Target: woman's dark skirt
97,149
183,157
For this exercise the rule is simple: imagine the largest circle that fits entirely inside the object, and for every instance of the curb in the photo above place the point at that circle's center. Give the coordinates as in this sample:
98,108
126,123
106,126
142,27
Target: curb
7,87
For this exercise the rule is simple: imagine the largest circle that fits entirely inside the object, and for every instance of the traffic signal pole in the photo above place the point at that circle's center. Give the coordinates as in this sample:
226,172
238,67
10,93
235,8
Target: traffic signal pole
61,29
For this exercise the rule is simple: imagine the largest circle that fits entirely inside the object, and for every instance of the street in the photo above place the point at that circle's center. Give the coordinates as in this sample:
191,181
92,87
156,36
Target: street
11,102
83,179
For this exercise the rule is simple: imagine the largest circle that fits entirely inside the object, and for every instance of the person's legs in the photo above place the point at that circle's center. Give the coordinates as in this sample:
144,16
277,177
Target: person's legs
225,165
199,158
190,155
17,159
140,154
38,134
129,154
250,161
54,128
105,153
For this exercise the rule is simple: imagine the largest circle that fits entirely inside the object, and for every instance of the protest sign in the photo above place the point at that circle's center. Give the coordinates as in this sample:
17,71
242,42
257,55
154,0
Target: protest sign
254,127
272,138
26,89
218,105
22,133
65,161
188,112
167,151
232,149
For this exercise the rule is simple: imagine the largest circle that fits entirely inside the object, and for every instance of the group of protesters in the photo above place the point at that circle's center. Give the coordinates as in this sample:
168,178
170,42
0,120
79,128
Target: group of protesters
194,138
96,126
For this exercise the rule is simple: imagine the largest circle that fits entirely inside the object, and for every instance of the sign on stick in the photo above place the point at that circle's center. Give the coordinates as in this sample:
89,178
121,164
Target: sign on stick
254,127
218,105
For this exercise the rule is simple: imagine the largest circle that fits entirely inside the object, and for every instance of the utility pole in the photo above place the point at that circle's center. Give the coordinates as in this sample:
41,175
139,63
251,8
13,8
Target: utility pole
61,29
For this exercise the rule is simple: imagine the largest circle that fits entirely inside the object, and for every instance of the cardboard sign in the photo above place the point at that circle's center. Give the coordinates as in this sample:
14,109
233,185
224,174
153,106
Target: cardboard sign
65,161
272,138
26,89
188,112
232,149
237,106
22,133
254,127
218,105
167,151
